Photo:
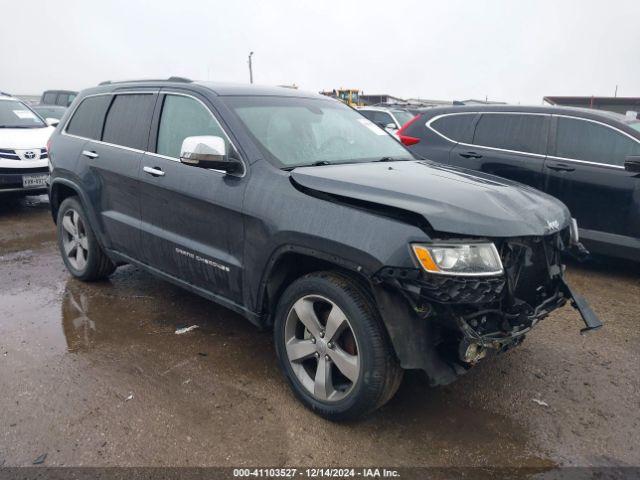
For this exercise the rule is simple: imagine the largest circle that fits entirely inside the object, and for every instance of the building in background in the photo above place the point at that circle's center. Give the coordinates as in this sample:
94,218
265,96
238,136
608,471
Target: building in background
473,101
621,105
380,99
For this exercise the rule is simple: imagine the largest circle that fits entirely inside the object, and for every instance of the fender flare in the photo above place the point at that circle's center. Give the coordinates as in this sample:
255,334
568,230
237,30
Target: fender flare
282,250
84,201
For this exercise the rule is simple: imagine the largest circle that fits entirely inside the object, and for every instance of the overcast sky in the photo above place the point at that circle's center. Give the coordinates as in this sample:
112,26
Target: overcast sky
516,51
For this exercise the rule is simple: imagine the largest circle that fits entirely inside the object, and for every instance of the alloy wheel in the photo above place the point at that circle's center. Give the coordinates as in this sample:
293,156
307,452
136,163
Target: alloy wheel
74,239
322,348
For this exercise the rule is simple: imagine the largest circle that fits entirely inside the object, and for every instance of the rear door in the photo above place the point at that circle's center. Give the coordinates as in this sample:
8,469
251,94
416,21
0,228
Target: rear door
113,164
511,145
585,169
191,217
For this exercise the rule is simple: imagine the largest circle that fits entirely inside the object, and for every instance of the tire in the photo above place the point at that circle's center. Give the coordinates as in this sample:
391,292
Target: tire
91,263
338,376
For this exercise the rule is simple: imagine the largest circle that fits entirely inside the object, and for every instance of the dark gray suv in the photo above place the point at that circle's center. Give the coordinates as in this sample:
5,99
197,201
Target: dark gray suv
303,216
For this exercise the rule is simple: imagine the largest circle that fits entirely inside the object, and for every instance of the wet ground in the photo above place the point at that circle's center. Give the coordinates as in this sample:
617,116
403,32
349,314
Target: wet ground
93,374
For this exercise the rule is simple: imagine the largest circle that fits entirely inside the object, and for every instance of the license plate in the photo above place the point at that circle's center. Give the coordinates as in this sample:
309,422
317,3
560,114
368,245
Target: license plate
30,181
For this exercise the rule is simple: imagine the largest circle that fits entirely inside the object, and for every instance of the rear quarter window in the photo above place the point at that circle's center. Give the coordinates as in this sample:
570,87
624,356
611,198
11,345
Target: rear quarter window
593,142
88,119
456,127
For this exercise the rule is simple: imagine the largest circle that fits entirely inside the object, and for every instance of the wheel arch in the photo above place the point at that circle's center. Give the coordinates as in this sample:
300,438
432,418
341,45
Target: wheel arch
63,188
291,262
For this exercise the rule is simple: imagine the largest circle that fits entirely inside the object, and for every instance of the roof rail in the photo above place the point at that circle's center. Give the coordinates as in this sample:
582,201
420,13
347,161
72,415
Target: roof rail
179,79
170,79
5,94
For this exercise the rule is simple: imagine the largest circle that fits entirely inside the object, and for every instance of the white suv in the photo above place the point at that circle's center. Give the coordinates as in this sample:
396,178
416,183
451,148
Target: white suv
23,153
391,119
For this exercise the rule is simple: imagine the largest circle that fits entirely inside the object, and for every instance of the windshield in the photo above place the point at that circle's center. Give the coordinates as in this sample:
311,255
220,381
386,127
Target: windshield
15,114
50,112
634,125
402,116
294,131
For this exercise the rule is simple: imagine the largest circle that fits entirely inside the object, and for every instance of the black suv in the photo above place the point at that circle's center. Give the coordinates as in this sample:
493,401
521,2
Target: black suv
589,159
303,216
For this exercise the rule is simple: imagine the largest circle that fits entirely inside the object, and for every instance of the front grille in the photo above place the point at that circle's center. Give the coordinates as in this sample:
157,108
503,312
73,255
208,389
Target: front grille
23,171
456,289
447,289
9,154
13,154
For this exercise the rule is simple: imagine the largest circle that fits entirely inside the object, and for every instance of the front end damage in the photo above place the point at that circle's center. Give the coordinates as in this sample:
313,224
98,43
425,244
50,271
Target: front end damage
462,318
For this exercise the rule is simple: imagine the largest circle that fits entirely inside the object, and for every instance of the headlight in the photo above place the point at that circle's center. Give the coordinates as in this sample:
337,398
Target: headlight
459,259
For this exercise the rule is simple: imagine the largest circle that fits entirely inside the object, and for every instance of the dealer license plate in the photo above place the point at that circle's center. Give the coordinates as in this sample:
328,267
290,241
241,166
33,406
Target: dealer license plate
31,181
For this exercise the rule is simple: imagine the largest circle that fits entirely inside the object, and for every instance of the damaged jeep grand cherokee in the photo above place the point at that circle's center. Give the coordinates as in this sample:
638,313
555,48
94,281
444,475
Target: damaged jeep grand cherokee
303,216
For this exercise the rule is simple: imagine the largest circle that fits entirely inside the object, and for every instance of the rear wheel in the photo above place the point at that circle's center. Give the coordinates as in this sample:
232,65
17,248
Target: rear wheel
332,347
81,253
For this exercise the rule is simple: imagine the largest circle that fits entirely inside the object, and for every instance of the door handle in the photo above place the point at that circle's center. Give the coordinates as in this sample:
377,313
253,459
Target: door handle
90,154
470,155
561,167
155,171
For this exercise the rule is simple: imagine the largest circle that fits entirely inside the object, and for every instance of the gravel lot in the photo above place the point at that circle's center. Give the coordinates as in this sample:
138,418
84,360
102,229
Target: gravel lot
93,374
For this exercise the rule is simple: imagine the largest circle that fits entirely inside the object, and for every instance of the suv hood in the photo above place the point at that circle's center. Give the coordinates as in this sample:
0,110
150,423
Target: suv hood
452,200
21,138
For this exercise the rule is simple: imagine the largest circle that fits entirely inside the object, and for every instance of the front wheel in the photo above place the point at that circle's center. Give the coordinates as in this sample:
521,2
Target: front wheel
332,347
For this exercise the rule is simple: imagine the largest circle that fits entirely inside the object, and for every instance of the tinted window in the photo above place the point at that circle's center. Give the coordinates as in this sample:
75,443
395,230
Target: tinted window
184,117
49,98
382,119
455,127
88,118
583,140
370,114
128,121
522,133
403,117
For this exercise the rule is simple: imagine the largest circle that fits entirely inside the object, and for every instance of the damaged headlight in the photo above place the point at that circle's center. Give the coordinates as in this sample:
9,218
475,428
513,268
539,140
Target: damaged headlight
459,259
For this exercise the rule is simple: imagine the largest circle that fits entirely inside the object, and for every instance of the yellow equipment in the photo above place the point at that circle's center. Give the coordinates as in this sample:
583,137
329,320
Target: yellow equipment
350,96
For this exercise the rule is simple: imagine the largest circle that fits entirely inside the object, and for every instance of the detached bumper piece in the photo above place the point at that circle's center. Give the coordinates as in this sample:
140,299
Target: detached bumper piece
578,302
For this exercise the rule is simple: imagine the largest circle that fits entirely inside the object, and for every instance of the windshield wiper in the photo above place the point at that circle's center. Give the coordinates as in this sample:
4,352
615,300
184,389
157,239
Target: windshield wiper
392,159
319,163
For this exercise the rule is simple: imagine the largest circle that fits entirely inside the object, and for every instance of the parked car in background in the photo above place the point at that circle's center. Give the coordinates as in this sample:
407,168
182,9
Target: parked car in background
589,159
23,152
293,210
50,111
63,98
391,119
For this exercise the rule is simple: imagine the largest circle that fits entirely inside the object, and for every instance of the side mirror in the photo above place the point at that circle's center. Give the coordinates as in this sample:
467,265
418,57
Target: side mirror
390,126
52,122
208,151
632,163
